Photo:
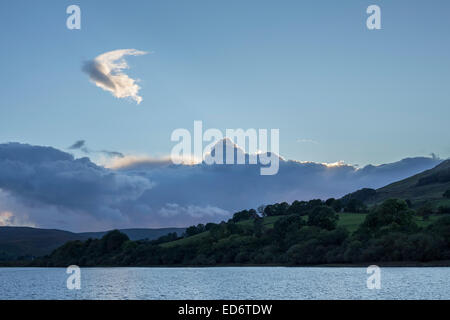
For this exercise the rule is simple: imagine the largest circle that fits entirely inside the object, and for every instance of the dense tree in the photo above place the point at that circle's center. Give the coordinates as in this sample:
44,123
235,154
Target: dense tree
329,201
244,215
323,217
277,209
425,211
444,209
193,230
318,246
391,215
114,240
441,230
209,226
447,194
258,227
409,203
304,207
286,229
299,207
355,206
167,238
335,204
288,223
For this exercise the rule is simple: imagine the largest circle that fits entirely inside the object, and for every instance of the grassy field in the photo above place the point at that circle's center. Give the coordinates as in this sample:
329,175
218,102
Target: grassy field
350,221
185,241
268,223
424,223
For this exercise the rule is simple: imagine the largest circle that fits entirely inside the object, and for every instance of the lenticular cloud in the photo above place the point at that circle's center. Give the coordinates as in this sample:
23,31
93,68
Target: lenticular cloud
106,71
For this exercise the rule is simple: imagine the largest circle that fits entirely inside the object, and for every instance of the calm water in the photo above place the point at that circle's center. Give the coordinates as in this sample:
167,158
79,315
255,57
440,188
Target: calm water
225,283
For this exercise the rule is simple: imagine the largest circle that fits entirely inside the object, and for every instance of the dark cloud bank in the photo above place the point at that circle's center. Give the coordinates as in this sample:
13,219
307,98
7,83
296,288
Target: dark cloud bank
50,188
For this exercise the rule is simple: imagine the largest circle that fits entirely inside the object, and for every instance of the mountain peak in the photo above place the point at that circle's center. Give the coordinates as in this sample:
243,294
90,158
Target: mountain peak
226,146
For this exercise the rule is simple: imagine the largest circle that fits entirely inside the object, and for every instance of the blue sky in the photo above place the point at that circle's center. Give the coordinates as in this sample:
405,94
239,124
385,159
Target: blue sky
309,68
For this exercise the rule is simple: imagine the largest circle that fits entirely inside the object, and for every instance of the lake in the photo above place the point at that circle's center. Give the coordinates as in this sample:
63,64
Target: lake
225,283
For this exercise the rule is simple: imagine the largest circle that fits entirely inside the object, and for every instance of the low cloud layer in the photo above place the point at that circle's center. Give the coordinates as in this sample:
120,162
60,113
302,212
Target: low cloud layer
106,71
46,187
45,178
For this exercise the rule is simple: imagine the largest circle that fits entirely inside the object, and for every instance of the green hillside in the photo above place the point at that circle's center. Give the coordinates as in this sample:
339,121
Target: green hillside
349,221
429,185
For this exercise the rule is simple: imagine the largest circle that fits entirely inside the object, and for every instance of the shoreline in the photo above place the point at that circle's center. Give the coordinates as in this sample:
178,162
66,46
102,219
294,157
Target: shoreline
391,264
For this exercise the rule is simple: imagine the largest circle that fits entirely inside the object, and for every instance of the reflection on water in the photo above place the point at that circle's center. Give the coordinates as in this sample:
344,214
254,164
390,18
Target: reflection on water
225,283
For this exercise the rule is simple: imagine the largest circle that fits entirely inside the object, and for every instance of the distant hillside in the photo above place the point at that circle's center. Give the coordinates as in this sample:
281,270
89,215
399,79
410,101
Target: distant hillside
427,186
24,241
137,234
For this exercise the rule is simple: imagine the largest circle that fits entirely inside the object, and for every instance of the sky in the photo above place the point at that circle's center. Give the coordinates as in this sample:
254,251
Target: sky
86,116
334,89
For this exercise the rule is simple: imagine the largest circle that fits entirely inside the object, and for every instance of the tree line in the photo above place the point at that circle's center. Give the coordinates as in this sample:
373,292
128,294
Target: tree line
304,233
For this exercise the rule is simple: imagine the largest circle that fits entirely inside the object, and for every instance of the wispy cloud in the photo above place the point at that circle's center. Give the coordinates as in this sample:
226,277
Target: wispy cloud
307,141
172,210
112,154
77,145
106,71
81,145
